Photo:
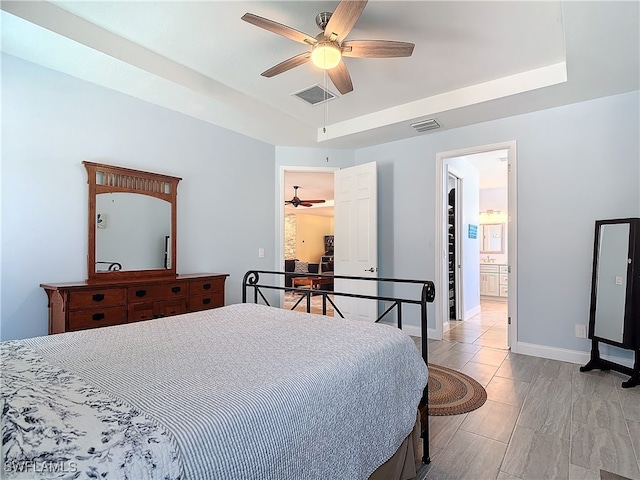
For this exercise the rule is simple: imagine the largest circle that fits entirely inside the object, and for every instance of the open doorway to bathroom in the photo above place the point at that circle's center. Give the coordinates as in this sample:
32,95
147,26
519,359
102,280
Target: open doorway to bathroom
482,285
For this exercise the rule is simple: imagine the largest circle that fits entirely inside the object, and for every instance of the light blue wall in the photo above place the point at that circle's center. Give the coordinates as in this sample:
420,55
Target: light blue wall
52,122
576,164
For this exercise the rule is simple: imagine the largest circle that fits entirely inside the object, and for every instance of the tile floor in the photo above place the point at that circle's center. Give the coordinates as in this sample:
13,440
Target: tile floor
543,418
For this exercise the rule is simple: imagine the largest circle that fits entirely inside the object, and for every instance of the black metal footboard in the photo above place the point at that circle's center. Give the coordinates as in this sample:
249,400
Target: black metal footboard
427,295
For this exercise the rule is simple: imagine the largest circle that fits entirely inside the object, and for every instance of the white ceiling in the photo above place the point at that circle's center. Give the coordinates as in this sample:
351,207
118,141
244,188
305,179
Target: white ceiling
473,61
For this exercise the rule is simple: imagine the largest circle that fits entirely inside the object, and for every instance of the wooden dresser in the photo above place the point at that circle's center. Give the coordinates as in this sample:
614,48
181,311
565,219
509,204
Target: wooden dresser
82,305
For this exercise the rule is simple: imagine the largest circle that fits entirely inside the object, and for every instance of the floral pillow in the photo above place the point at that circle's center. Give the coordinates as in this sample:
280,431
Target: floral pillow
301,267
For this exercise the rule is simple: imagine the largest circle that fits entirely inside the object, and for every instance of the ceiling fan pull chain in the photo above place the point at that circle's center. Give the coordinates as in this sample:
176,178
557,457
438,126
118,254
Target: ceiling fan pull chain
326,102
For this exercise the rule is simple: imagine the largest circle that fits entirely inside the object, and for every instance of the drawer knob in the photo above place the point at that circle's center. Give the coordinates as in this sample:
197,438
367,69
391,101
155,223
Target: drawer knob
141,293
175,289
98,297
98,316
206,286
206,301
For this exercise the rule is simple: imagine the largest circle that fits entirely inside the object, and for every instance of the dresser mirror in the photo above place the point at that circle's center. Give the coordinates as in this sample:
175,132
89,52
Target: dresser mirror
132,223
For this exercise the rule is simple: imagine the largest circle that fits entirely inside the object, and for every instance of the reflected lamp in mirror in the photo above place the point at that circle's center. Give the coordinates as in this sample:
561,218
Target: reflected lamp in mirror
492,238
132,223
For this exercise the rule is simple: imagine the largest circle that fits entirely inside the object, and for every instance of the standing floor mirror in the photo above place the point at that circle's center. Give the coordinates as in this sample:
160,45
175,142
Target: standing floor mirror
614,316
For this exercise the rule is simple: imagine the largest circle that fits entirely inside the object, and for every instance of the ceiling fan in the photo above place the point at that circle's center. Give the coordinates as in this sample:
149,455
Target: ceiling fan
328,47
295,201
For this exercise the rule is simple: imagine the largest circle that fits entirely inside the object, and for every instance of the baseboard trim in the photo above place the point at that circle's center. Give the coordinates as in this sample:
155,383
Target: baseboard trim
566,355
413,330
543,351
473,312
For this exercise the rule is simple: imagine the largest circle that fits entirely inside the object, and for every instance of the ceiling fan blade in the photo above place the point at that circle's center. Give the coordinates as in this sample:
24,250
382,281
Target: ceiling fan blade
376,49
287,65
280,29
344,18
340,77
313,201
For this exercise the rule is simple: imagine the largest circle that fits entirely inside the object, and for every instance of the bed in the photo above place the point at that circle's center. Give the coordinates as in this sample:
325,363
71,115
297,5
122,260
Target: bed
243,391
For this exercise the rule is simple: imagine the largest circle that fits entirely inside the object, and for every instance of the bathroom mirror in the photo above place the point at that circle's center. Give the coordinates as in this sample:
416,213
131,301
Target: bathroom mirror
132,223
492,238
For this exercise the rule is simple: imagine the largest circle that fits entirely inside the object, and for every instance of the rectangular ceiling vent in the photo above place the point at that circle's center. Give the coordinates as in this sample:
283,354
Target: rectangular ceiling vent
425,125
314,95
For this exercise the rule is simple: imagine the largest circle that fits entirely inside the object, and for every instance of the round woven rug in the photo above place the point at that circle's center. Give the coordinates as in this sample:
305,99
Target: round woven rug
452,392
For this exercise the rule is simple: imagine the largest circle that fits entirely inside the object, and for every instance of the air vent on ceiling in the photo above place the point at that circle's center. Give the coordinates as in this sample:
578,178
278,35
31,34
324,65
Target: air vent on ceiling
425,125
314,95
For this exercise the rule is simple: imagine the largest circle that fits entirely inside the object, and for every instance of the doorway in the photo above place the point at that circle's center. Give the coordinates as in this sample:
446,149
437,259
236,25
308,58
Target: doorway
454,246
486,303
304,228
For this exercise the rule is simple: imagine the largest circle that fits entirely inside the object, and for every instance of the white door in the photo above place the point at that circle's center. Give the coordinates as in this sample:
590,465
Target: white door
356,239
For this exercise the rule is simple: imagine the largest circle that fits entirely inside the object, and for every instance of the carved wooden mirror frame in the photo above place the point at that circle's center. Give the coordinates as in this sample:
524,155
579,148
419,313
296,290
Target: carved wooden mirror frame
111,179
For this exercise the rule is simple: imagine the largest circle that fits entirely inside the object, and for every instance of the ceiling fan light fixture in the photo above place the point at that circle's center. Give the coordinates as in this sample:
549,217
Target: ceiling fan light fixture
326,55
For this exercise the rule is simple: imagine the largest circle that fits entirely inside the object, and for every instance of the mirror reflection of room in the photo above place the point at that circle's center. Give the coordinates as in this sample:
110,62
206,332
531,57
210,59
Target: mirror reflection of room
131,230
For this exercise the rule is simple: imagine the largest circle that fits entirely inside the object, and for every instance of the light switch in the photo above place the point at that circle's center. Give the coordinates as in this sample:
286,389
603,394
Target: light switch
261,253
618,280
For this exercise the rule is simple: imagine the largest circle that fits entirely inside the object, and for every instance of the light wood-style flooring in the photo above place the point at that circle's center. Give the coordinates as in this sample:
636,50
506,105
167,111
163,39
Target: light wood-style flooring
487,329
543,419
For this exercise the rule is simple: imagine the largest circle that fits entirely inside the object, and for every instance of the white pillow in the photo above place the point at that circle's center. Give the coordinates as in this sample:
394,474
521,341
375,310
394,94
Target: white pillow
301,267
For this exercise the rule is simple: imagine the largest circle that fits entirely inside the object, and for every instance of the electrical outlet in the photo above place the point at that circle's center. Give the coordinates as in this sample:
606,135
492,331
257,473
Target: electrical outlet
618,280
581,330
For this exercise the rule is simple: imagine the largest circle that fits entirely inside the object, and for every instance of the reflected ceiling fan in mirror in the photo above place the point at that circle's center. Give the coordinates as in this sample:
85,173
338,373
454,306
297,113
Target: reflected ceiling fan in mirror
328,47
296,202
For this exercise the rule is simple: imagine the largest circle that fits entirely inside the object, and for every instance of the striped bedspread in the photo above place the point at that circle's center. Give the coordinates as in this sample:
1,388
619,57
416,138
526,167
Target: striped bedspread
244,391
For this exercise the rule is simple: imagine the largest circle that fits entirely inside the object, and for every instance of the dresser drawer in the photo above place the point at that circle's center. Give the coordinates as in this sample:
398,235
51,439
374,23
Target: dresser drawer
205,302
166,291
504,279
141,311
504,268
96,317
172,307
207,286
489,268
106,297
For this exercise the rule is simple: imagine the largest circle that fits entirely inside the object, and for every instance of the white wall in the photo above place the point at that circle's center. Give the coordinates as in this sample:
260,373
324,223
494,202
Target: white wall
575,164
52,122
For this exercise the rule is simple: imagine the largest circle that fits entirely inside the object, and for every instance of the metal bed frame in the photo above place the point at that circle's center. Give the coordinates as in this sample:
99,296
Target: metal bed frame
251,280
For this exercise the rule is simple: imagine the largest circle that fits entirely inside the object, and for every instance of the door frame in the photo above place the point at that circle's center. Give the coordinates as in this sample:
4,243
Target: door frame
280,198
458,245
512,229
